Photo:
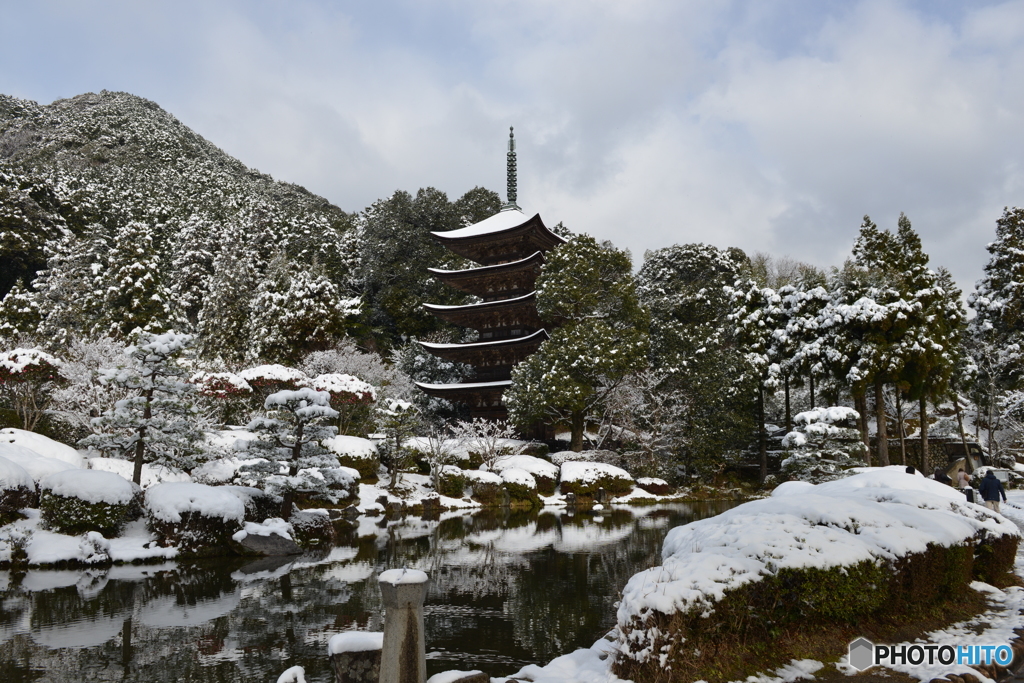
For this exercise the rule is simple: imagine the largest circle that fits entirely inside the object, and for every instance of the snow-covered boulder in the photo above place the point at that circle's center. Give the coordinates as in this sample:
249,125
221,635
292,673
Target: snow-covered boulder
42,445
151,474
545,474
273,536
352,451
878,543
586,478
195,518
76,501
37,466
17,489
487,487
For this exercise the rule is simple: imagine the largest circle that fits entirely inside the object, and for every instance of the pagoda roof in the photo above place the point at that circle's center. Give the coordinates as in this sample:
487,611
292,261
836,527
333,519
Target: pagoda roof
538,336
483,305
452,392
507,233
447,275
511,350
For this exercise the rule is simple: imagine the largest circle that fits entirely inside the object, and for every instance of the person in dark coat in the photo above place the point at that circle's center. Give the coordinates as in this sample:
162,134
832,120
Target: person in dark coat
991,488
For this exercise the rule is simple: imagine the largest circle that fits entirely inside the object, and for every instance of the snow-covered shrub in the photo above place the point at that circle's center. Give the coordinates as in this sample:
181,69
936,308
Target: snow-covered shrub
346,358
312,528
351,397
521,486
197,519
451,481
259,505
76,501
158,422
359,454
224,394
17,490
545,474
43,445
487,487
658,487
265,380
823,445
151,474
27,379
487,440
398,420
877,544
291,435
81,396
585,478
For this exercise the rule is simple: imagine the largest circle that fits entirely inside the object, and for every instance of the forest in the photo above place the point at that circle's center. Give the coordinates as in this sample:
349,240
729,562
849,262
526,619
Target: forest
145,271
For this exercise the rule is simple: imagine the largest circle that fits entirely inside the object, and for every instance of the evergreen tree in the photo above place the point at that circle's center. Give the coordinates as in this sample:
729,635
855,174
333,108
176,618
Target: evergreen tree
587,290
157,423
223,320
687,290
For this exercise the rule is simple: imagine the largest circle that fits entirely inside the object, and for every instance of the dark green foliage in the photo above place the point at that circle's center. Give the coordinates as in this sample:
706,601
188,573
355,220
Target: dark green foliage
614,485
73,516
367,466
487,493
312,529
451,482
196,535
522,494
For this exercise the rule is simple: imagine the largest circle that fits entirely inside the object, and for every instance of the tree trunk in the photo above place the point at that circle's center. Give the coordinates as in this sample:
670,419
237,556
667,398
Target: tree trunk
881,428
925,460
810,381
963,437
902,431
789,419
762,441
860,404
140,445
991,428
576,445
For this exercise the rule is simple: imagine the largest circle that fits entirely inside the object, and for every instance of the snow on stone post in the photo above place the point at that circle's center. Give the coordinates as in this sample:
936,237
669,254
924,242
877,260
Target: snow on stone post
404,656
355,656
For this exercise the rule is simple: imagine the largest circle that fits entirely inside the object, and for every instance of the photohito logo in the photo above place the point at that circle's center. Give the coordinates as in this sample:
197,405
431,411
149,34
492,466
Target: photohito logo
864,654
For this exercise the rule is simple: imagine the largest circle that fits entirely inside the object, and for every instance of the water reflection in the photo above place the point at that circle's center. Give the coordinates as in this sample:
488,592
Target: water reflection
507,589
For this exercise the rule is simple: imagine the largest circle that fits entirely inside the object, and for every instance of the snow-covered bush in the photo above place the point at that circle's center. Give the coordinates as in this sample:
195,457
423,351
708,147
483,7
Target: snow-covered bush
17,490
312,528
487,440
291,435
224,394
81,396
158,422
259,505
398,420
877,544
823,445
151,474
521,486
265,380
451,481
197,519
658,487
42,445
487,487
351,397
585,478
76,501
359,454
37,466
27,380
545,474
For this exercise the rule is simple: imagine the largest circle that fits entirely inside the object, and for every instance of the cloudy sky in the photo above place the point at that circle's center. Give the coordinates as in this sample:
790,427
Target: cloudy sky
772,126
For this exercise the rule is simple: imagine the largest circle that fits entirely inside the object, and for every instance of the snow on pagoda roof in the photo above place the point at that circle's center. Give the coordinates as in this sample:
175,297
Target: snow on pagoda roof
503,220
483,269
467,385
477,345
482,304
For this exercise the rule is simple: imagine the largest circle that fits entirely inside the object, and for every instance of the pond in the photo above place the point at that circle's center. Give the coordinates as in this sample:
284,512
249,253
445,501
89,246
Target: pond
506,590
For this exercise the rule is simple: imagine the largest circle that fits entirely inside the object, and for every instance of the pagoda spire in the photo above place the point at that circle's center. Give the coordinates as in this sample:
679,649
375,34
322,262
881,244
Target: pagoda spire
511,165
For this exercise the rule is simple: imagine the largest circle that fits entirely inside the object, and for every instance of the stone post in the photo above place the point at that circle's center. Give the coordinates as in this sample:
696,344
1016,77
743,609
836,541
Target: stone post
355,656
404,655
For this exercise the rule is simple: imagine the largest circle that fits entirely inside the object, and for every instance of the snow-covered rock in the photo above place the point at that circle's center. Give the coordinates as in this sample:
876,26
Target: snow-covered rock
43,445
37,466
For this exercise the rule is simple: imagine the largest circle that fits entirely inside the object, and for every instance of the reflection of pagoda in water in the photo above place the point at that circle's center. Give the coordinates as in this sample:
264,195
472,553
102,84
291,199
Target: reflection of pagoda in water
509,246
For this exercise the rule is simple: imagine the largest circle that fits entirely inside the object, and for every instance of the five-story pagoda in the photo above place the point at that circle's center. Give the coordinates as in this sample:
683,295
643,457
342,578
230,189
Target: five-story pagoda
509,246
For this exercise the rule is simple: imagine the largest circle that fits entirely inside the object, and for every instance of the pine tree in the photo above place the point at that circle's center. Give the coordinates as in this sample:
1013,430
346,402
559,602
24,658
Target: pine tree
587,290
157,423
223,320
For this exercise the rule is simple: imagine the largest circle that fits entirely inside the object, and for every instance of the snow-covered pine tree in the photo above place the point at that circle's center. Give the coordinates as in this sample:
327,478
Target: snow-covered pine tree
291,435
587,290
398,420
157,423
223,320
